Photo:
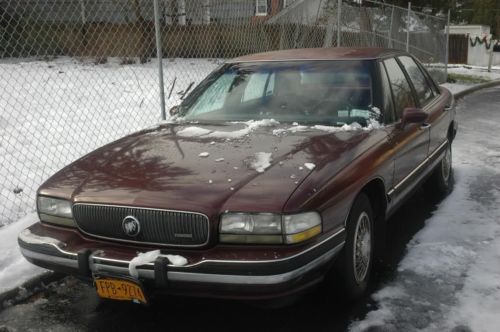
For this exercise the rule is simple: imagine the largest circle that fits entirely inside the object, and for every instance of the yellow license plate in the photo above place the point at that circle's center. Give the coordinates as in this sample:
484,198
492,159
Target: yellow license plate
117,289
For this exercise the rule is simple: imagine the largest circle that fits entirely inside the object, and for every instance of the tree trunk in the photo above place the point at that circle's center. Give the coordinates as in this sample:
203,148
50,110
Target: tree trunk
181,12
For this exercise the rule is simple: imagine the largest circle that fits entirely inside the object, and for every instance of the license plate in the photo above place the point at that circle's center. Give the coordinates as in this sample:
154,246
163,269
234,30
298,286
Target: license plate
119,289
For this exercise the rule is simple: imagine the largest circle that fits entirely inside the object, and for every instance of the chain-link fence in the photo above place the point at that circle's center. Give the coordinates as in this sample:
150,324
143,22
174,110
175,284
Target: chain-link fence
76,74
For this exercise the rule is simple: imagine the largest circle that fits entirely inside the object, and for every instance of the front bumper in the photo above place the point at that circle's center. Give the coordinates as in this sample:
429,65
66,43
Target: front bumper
216,272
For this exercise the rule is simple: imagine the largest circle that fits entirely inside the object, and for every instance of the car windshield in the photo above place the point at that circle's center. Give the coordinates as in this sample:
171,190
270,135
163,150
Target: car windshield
321,92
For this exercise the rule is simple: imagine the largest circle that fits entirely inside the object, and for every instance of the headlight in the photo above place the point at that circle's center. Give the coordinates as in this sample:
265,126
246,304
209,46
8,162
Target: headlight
55,211
267,228
251,228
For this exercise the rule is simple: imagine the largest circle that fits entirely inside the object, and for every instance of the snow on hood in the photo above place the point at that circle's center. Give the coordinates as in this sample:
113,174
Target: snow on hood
262,161
250,126
372,124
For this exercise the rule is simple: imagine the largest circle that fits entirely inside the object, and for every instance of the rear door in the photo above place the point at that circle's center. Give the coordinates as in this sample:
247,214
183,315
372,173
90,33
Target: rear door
430,101
411,142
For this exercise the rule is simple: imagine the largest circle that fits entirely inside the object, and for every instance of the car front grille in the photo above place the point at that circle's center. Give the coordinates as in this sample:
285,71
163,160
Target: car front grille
159,227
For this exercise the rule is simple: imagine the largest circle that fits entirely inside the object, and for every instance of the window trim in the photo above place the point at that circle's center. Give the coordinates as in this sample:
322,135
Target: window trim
416,100
259,3
430,80
382,72
430,101
410,84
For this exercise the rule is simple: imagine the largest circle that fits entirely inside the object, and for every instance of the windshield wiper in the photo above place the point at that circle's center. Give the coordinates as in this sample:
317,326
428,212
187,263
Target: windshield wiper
184,93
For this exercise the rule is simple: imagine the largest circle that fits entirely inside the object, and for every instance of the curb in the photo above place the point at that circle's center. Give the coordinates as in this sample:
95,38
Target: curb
19,294
475,88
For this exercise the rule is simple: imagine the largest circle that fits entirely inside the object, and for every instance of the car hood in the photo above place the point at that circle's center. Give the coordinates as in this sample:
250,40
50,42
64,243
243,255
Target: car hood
207,168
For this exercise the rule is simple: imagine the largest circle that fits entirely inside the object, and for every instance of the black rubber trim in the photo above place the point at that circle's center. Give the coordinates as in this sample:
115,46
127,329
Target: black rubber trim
161,272
83,262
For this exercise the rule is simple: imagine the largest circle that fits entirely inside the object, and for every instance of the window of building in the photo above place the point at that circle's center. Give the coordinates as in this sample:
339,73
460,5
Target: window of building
260,7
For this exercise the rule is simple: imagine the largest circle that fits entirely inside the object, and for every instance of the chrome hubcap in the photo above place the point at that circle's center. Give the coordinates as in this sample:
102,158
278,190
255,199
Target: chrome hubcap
446,165
362,247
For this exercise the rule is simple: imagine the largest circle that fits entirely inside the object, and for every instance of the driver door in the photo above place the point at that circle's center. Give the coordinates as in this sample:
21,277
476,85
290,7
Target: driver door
410,143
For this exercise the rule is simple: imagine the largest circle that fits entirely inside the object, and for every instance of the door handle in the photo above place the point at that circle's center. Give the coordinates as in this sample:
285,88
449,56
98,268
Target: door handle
447,108
425,125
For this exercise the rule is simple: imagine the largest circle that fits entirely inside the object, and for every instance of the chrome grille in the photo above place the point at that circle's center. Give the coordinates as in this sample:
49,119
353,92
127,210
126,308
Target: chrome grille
162,227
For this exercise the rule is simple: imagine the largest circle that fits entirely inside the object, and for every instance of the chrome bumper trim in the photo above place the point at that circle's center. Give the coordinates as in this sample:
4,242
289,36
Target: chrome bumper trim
188,276
99,264
68,262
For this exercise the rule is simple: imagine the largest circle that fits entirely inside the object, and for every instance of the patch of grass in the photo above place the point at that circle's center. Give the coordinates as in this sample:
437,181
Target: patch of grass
467,79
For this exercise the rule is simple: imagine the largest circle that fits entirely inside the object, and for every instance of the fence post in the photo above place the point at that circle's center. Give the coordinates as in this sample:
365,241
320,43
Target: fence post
447,47
408,28
82,11
160,59
339,28
390,27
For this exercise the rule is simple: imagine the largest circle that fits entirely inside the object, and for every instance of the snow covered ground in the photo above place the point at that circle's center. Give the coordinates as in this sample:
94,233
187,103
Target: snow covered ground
449,279
53,112
14,269
475,71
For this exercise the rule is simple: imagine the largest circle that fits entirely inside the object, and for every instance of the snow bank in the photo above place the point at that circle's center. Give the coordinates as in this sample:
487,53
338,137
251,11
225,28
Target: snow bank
14,268
68,117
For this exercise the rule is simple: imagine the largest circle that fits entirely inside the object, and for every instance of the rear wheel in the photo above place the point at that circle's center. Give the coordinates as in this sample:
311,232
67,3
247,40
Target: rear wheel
354,264
441,180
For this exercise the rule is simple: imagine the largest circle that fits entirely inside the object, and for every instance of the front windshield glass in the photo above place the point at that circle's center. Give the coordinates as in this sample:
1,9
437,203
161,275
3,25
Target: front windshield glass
320,92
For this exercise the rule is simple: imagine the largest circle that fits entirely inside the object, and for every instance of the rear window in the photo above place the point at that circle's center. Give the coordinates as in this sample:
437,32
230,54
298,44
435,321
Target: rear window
420,83
332,92
401,90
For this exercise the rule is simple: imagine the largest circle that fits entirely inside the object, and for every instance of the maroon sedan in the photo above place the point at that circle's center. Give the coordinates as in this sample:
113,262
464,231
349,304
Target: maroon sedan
276,172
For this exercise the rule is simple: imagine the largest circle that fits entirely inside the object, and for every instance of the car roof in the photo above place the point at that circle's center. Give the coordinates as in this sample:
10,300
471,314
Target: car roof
337,53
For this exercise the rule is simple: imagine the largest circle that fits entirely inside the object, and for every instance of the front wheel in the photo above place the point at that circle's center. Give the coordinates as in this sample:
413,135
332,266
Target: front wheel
355,261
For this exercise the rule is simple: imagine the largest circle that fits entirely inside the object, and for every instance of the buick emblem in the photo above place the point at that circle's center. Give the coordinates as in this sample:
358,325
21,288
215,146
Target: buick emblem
131,226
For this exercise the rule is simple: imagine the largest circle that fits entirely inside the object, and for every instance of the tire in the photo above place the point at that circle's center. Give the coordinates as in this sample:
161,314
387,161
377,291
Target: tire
441,181
354,264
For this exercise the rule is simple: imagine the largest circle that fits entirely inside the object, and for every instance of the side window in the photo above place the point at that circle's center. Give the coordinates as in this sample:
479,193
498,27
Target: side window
387,95
420,83
403,95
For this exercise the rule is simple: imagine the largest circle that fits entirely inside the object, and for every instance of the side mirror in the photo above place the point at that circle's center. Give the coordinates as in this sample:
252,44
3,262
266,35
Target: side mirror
174,110
413,115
